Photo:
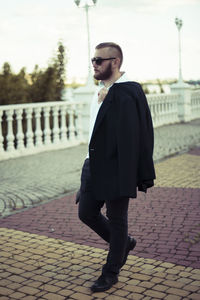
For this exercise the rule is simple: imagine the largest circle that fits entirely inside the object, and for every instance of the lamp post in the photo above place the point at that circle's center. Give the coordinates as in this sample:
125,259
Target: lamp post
86,5
179,24
181,88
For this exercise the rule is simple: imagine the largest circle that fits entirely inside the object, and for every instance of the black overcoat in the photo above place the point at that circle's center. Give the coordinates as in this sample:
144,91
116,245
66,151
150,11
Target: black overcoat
121,145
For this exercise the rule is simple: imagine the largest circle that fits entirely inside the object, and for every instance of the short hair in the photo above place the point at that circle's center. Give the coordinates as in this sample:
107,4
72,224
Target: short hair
112,45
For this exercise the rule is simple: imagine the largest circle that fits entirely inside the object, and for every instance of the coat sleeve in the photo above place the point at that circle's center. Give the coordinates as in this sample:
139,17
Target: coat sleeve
128,140
134,141
146,171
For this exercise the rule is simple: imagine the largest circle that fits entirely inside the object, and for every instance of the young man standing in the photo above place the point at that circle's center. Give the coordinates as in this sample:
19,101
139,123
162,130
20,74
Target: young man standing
119,160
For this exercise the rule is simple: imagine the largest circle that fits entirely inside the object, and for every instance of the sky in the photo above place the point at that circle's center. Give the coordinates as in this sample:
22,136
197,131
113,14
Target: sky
145,29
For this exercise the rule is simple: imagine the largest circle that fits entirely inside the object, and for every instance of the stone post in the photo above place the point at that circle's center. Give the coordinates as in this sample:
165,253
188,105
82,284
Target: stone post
184,102
85,94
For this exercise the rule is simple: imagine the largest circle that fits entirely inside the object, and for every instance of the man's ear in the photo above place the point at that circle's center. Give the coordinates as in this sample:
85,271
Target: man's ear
116,62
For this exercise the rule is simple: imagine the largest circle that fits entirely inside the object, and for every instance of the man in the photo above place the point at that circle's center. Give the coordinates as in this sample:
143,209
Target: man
119,160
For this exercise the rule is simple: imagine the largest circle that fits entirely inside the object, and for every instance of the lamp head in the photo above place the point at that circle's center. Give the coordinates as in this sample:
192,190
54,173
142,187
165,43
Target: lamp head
178,22
77,2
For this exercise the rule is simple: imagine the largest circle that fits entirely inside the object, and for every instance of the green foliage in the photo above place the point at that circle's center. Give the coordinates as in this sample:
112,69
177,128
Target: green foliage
60,71
39,86
13,87
43,85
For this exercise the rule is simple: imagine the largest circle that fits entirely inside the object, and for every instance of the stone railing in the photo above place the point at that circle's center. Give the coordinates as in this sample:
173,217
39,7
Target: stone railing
36,127
164,108
32,128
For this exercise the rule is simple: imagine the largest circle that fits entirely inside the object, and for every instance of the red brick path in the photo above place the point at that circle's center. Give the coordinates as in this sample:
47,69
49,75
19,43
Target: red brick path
166,224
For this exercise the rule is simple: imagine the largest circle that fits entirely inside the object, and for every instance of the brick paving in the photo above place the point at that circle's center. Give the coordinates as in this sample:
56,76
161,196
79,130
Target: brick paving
37,267
47,253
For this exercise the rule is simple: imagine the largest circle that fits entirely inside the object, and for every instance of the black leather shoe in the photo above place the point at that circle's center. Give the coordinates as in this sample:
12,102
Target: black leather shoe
104,283
131,245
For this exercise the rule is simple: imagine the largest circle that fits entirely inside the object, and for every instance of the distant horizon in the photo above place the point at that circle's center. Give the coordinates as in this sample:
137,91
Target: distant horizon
149,80
83,80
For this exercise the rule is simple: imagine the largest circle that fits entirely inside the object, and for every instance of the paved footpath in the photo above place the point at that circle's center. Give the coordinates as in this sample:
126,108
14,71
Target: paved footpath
27,181
47,253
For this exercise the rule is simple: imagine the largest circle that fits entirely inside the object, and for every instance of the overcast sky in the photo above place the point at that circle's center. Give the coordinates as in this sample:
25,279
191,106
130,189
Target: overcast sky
145,29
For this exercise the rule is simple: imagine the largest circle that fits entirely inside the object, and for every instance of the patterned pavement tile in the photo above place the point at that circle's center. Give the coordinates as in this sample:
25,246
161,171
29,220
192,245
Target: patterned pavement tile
37,267
180,171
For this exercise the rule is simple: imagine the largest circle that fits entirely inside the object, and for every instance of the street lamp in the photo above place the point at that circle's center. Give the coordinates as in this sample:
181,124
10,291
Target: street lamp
86,4
179,24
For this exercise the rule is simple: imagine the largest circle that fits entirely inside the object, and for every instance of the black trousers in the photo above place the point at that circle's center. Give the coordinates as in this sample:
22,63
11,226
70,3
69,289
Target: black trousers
113,227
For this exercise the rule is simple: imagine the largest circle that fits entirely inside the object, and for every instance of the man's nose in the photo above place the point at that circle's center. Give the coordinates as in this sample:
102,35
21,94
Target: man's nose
94,63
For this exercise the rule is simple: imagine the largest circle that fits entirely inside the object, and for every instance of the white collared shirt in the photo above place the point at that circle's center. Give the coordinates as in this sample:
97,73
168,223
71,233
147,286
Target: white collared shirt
95,106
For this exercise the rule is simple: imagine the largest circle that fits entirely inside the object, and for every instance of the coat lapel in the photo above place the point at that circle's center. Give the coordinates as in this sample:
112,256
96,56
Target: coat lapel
102,111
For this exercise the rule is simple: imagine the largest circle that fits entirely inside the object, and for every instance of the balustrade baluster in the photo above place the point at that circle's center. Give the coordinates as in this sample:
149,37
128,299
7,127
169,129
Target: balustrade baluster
164,115
47,131
29,132
38,130
63,128
167,112
10,134
160,111
172,108
71,124
56,138
156,113
1,133
20,134
170,112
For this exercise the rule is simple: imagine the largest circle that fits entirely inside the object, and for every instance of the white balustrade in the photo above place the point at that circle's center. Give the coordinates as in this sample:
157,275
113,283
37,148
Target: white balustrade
37,122
163,108
57,125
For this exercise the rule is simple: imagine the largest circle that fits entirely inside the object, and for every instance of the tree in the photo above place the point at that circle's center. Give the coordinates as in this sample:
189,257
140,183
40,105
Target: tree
48,85
43,85
59,65
13,87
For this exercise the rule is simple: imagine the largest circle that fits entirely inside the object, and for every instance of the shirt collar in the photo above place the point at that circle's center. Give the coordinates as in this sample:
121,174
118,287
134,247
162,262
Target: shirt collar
122,78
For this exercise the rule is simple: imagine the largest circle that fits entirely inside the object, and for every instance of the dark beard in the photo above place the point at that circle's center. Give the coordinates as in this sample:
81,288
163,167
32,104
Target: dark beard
105,75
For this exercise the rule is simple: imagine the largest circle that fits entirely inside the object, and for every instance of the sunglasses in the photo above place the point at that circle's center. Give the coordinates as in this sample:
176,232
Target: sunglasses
98,60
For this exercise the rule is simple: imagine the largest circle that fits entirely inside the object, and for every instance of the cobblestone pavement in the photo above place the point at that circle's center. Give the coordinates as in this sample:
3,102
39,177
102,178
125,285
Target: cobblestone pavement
30,180
47,253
